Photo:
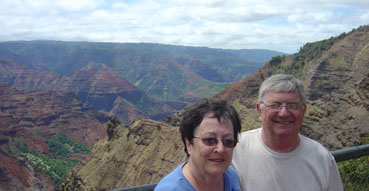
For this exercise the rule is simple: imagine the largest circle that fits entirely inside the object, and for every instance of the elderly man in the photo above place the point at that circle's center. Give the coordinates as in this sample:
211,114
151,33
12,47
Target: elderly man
276,157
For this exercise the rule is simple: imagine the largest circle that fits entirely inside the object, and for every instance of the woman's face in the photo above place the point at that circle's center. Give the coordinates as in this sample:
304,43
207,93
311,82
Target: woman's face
211,160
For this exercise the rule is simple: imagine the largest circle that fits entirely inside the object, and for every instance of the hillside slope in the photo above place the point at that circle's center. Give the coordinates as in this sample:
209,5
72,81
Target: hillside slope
335,72
29,124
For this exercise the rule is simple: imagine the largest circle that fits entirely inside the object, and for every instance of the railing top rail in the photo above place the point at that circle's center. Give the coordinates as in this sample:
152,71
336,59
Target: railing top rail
146,187
351,153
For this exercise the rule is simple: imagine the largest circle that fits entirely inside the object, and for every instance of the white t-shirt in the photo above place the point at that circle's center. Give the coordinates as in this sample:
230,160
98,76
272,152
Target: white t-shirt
310,167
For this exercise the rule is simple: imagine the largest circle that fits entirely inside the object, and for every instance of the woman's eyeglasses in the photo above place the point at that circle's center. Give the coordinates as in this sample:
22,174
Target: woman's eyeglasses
229,143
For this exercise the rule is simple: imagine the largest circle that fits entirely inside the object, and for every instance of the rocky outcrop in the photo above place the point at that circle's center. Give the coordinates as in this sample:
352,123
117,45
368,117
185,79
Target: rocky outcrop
141,153
340,120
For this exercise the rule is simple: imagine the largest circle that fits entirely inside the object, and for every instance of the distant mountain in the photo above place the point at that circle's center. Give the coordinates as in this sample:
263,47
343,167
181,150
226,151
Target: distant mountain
218,65
335,72
102,90
108,76
165,72
257,55
38,132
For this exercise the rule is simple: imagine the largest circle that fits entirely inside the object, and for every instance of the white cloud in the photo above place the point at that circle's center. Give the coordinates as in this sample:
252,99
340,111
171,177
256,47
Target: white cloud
283,25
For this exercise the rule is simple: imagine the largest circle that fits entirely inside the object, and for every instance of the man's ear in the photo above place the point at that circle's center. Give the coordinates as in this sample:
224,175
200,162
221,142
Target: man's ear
305,109
258,107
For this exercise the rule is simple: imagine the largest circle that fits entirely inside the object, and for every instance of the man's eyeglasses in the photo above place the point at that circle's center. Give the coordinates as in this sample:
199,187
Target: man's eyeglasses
289,106
229,143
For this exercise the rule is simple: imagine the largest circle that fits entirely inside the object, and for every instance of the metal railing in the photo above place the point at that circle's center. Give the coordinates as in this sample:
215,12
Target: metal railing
351,153
342,155
353,164
146,187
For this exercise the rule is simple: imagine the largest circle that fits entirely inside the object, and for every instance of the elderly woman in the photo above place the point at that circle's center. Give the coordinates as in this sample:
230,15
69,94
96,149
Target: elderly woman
209,131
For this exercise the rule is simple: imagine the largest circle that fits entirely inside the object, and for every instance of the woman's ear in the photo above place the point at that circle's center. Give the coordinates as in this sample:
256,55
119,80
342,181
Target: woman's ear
189,146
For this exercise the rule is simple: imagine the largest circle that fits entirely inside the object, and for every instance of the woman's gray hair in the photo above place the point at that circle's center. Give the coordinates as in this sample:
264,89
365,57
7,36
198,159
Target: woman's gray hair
282,83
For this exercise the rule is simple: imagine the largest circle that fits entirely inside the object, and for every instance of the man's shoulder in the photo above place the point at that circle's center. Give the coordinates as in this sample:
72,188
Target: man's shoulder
310,142
312,146
251,132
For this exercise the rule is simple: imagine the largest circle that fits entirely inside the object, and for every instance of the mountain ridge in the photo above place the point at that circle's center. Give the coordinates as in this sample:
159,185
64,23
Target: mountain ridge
124,58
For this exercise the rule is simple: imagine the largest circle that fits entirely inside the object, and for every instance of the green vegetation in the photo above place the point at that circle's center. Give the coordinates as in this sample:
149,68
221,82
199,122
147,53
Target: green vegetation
18,146
355,174
310,51
57,169
306,54
56,163
61,146
37,132
276,60
365,138
316,49
359,28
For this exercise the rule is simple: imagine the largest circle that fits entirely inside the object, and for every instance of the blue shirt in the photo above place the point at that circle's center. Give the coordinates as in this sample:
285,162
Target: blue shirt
177,181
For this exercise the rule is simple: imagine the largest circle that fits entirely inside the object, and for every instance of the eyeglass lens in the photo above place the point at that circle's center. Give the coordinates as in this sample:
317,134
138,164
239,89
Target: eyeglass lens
229,143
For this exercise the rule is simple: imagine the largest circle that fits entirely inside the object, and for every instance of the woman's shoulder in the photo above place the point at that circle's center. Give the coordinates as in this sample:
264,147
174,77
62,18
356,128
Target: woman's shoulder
232,181
231,171
174,181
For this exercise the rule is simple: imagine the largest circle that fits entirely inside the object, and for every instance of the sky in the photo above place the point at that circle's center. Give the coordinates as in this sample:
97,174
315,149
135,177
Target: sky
280,25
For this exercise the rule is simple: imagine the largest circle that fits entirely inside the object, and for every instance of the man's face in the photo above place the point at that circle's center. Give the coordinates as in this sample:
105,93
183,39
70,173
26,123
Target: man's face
284,122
